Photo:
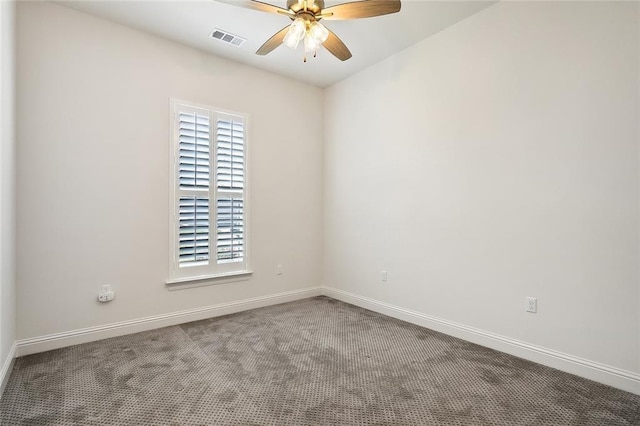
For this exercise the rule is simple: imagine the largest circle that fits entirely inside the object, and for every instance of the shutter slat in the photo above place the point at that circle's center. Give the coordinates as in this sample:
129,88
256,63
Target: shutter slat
229,229
193,219
230,154
194,138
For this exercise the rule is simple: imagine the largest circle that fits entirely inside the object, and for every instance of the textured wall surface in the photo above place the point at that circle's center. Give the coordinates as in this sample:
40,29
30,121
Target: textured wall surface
7,179
495,160
93,203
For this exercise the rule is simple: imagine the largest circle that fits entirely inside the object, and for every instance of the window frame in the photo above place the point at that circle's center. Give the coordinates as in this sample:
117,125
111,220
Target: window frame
214,272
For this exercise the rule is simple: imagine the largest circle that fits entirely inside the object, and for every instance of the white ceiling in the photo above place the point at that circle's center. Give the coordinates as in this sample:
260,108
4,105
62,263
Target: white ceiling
370,40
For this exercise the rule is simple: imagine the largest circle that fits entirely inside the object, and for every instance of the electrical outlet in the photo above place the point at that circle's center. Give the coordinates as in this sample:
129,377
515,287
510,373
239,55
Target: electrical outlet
279,270
383,276
106,294
531,305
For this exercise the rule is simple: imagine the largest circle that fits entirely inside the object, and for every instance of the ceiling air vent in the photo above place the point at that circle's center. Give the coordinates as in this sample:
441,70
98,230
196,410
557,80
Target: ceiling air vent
227,37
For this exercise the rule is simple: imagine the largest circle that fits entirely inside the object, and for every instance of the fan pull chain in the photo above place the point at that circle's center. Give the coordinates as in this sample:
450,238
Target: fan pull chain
304,58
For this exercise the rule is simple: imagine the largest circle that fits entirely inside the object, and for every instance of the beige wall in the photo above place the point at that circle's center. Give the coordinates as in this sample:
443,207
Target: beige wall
495,160
93,121
7,181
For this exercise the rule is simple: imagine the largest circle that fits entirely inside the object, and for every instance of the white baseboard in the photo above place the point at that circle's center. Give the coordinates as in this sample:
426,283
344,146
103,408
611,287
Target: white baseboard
621,379
90,334
7,366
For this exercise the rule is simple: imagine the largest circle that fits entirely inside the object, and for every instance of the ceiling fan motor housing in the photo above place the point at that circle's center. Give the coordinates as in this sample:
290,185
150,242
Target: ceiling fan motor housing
313,6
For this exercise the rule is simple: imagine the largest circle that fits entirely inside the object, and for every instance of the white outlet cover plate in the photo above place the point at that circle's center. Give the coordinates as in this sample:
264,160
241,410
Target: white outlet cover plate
531,305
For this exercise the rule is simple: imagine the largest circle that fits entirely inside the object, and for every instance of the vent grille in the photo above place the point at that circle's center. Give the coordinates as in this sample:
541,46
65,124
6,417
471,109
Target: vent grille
226,37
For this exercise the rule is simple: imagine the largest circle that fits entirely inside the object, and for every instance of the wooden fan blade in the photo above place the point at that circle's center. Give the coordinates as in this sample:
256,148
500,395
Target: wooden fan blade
337,48
361,9
273,42
256,5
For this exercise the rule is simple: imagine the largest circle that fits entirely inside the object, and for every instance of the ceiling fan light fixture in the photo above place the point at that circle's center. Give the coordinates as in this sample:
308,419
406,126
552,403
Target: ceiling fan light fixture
290,41
318,32
296,33
310,44
306,14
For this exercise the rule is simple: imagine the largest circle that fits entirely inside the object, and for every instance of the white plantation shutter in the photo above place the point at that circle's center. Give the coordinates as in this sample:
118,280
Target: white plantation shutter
193,176
194,230
209,231
229,229
195,139
230,154
230,187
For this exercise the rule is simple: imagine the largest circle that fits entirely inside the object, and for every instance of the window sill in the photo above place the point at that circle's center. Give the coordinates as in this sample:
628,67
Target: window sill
205,280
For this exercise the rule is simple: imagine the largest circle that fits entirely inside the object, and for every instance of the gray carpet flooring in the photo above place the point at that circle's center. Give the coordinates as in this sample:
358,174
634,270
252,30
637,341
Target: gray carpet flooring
311,362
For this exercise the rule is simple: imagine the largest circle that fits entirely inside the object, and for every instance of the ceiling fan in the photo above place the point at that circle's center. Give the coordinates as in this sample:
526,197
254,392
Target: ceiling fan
306,26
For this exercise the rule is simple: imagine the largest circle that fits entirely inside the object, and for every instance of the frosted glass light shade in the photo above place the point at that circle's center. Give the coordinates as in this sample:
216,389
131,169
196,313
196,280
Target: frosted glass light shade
318,32
310,44
295,34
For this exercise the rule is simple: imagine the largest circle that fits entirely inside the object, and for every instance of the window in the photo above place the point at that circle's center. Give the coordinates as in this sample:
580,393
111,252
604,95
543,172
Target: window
208,221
